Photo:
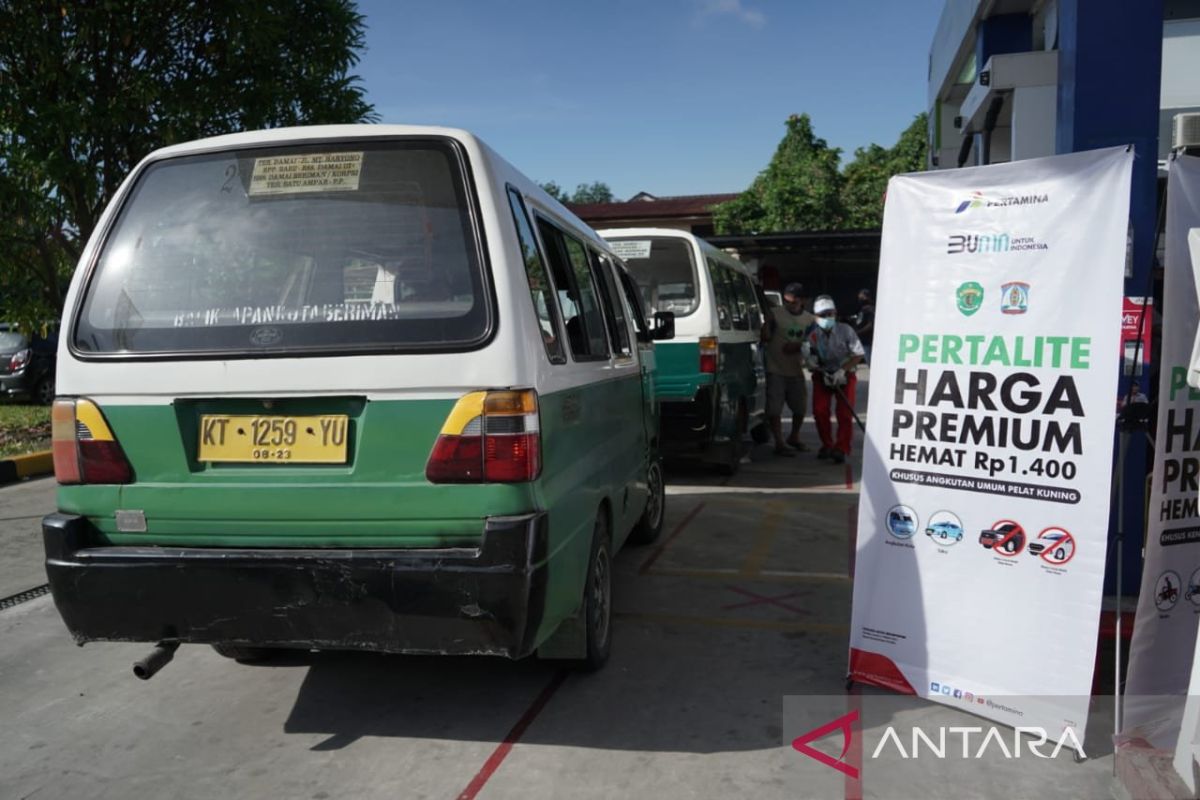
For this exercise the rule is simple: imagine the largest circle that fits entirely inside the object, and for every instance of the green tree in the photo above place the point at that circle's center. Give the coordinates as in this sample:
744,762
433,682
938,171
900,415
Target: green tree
799,190
554,190
595,192
89,88
867,175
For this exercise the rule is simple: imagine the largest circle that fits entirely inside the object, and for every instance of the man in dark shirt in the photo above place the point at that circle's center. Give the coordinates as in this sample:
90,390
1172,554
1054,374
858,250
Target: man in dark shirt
864,321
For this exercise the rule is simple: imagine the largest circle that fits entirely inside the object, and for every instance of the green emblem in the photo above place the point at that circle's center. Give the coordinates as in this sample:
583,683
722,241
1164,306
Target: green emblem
970,297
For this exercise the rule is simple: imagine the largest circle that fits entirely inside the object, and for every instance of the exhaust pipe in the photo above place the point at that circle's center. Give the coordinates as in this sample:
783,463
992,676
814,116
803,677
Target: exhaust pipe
159,657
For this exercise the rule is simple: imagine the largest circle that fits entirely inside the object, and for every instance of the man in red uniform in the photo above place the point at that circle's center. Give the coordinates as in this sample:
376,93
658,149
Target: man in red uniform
834,358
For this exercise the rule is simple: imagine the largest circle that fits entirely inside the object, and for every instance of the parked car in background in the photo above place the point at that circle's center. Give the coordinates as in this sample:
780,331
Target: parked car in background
27,364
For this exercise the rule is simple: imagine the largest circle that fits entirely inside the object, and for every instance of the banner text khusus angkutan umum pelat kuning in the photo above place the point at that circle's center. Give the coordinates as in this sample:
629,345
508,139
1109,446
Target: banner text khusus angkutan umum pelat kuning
983,521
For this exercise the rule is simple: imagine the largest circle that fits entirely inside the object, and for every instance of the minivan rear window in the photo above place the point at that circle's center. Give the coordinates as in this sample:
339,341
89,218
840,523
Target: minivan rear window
664,269
324,247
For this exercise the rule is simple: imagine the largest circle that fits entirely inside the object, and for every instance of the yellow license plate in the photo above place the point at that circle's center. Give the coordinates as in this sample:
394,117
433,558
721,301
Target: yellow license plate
273,439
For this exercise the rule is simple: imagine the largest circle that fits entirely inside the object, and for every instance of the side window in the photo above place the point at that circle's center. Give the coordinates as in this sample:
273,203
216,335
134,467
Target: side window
578,299
722,297
755,318
618,328
634,296
743,300
540,288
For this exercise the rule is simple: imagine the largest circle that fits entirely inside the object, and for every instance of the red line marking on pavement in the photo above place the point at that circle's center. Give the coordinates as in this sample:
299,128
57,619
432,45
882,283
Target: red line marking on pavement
849,476
760,599
853,783
502,750
852,535
658,551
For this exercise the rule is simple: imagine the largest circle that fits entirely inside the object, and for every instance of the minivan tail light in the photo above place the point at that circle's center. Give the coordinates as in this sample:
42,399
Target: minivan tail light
83,445
708,354
489,437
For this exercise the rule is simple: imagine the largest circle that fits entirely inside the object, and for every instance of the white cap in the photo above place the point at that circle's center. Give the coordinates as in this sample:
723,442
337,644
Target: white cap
822,304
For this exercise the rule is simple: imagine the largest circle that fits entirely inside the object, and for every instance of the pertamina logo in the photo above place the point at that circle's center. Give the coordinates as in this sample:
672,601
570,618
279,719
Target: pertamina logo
980,200
979,243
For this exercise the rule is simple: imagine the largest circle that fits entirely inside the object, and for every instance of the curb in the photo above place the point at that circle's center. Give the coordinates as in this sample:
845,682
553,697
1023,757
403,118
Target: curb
33,465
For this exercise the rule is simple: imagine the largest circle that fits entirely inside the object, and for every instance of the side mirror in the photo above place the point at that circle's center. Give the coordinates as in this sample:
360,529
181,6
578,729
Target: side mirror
664,326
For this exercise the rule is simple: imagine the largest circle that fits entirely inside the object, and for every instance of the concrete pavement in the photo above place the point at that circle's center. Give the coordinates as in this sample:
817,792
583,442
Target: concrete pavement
22,506
745,600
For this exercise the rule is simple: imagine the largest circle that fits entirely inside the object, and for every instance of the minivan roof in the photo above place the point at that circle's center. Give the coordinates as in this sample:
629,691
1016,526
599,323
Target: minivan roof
307,133
704,245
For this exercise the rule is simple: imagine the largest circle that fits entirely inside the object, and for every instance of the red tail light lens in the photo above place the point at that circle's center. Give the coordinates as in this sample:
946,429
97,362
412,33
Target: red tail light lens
19,359
708,354
83,445
489,437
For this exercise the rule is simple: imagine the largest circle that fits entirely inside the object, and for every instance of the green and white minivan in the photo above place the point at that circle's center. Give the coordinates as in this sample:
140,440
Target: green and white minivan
349,387
711,382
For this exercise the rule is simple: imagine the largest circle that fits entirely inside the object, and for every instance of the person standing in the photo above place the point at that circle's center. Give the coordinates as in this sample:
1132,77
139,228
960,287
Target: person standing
784,335
864,322
835,352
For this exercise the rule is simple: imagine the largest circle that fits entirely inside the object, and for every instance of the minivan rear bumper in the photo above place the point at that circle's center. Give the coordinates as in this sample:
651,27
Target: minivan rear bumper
487,600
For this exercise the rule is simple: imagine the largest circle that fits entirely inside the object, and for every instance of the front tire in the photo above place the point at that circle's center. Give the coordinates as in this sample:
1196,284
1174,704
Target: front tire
597,599
650,524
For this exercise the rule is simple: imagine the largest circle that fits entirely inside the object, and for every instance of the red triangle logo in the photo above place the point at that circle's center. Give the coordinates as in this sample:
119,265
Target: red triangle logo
843,723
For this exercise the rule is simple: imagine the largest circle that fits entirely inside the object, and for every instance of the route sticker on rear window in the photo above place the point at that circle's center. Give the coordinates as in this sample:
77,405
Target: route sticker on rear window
627,249
312,172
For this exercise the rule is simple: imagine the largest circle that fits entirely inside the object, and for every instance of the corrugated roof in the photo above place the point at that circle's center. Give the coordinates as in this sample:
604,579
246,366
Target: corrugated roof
681,206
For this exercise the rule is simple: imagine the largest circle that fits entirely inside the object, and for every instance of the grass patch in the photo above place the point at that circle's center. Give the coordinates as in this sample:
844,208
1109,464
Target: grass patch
23,429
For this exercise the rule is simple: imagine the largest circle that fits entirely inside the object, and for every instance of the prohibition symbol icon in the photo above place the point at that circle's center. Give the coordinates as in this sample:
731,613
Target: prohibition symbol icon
1054,545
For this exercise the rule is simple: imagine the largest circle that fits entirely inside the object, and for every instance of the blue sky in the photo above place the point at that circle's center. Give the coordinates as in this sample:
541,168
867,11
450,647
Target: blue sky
666,96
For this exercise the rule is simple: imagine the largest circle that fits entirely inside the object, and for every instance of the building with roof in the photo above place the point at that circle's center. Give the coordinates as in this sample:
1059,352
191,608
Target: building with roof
692,213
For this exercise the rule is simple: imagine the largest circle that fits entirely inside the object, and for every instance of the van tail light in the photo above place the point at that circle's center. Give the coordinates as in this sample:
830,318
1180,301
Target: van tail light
83,445
19,359
708,354
489,437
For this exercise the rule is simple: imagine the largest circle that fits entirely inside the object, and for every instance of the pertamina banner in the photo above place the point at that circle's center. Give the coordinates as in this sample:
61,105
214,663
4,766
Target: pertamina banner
1164,632
986,470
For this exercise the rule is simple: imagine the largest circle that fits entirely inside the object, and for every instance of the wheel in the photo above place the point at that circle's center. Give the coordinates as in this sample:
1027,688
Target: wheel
649,526
243,653
1060,554
733,459
760,433
597,599
43,392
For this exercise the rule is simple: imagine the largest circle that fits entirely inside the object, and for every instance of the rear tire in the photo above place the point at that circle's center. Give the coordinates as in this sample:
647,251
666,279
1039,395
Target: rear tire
597,599
244,653
760,433
43,392
733,460
649,526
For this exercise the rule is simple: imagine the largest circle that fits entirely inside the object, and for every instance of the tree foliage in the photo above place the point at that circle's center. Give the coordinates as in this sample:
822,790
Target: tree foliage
89,88
595,192
803,188
865,178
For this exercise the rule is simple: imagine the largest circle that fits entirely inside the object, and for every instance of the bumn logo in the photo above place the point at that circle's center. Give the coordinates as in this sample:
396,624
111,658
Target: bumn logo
845,724
978,243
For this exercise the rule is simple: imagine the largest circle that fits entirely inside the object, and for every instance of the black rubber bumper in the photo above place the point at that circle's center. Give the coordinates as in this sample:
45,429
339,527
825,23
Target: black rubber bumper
485,600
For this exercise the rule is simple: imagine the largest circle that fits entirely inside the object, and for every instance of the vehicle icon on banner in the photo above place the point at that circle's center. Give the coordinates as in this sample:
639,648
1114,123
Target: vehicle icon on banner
945,528
1192,594
1055,546
1166,590
1005,538
902,522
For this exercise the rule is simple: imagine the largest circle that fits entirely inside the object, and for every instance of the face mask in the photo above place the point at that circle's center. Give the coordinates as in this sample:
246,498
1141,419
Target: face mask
826,323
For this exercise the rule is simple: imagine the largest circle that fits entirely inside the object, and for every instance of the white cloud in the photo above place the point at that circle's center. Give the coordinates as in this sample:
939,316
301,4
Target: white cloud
712,8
